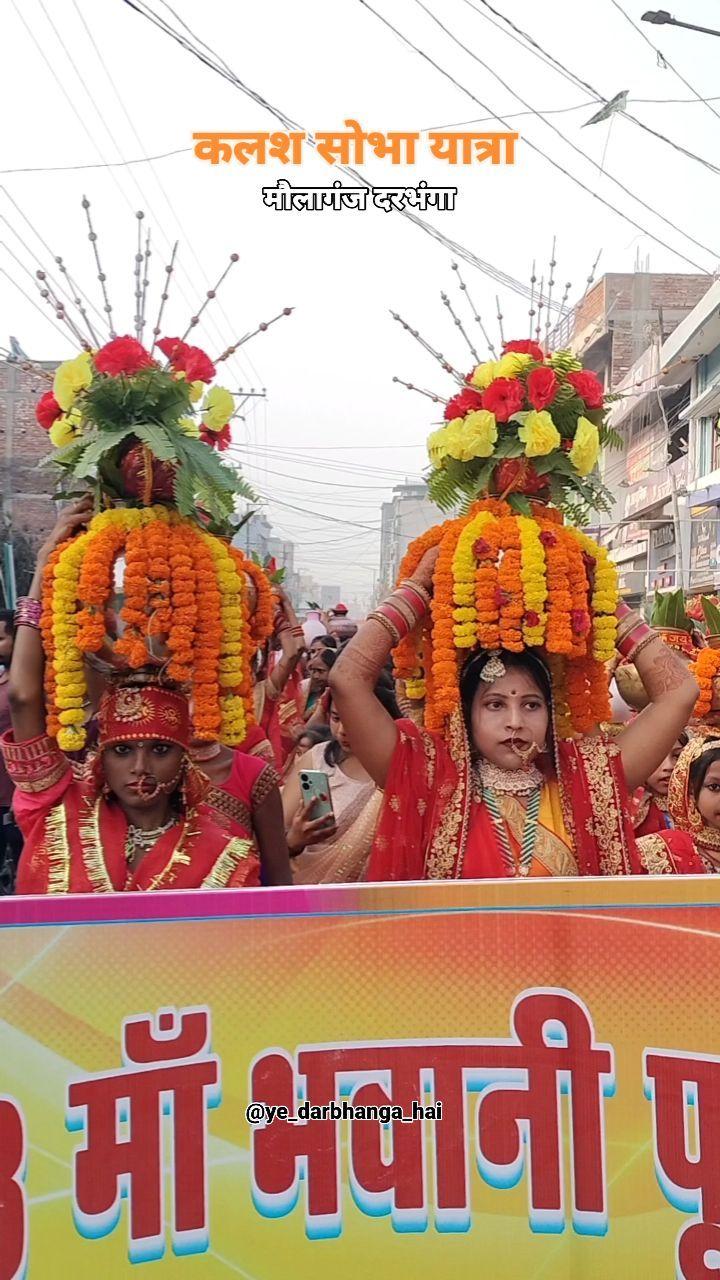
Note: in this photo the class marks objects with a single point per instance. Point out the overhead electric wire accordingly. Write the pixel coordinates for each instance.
(578, 81)
(173, 208)
(494, 273)
(579, 151)
(82, 122)
(107, 164)
(531, 145)
(667, 61)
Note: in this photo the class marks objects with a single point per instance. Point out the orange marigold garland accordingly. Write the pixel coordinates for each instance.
(185, 605)
(705, 668)
(504, 580)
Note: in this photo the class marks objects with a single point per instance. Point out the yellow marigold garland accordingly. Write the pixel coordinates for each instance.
(70, 686)
(230, 668)
(463, 568)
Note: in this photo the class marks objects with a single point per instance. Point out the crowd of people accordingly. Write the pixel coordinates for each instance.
(336, 782)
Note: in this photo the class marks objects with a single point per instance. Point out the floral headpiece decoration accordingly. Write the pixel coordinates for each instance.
(528, 424)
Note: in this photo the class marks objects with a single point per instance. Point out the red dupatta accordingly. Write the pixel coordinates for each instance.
(424, 825)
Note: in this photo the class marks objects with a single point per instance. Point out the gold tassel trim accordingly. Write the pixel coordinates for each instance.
(57, 850)
(233, 853)
(93, 857)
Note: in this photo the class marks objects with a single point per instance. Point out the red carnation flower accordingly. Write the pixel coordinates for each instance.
(463, 403)
(580, 622)
(501, 598)
(548, 538)
(525, 348)
(217, 439)
(122, 355)
(174, 349)
(481, 548)
(531, 618)
(197, 366)
(47, 410)
(588, 387)
(542, 385)
(504, 397)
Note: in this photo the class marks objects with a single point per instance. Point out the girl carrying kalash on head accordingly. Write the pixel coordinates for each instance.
(502, 623)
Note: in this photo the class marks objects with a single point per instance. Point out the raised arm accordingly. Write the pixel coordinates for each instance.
(672, 690)
(369, 727)
(291, 639)
(26, 692)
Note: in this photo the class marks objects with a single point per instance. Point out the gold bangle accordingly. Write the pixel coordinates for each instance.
(416, 586)
(642, 644)
(388, 625)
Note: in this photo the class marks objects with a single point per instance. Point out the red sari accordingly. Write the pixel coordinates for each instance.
(75, 841)
(431, 827)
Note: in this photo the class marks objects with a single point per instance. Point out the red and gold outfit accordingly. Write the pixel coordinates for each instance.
(691, 835)
(76, 837)
(434, 826)
(231, 804)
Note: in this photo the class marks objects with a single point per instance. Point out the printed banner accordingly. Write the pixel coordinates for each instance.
(515, 1080)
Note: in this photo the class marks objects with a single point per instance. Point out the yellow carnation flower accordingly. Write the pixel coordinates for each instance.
(539, 434)
(586, 447)
(196, 390)
(190, 427)
(437, 446)
(65, 429)
(484, 374)
(473, 436)
(218, 408)
(511, 364)
(72, 377)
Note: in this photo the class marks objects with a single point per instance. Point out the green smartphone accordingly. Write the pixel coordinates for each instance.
(315, 785)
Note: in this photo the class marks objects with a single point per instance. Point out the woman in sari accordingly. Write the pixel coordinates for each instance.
(650, 803)
(243, 797)
(133, 822)
(694, 805)
(499, 794)
(334, 850)
(275, 706)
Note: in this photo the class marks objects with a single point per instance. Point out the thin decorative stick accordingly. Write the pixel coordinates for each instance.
(437, 355)
(410, 386)
(145, 283)
(531, 313)
(566, 295)
(92, 237)
(473, 308)
(551, 282)
(539, 309)
(138, 287)
(77, 299)
(500, 320)
(211, 293)
(59, 307)
(262, 327)
(27, 298)
(32, 254)
(164, 297)
(458, 323)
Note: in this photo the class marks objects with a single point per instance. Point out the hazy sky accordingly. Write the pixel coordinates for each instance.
(335, 433)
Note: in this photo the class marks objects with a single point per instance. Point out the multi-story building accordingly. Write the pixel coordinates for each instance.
(614, 321)
(620, 329)
(693, 351)
(28, 510)
(408, 514)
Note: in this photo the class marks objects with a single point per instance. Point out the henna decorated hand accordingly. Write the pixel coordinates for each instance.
(426, 568)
